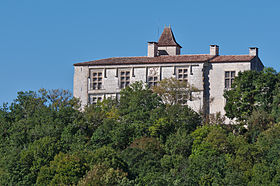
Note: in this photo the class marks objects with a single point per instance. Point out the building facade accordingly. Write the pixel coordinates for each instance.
(211, 73)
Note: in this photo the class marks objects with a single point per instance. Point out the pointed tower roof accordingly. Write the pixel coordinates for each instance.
(167, 38)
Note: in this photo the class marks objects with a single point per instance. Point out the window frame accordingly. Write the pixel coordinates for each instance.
(153, 76)
(229, 77)
(95, 98)
(124, 78)
(183, 72)
(96, 79)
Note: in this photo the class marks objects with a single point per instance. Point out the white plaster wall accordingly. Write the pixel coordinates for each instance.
(167, 72)
(197, 101)
(110, 82)
(196, 76)
(139, 75)
(217, 83)
(80, 89)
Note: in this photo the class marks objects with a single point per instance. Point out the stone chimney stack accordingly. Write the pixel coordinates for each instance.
(214, 50)
(152, 49)
(253, 51)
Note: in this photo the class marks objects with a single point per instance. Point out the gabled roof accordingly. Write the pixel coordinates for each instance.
(167, 59)
(167, 38)
(232, 58)
(147, 60)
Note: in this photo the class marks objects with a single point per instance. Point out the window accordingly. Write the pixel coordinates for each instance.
(152, 81)
(95, 80)
(93, 99)
(182, 74)
(153, 76)
(124, 78)
(229, 78)
(183, 96)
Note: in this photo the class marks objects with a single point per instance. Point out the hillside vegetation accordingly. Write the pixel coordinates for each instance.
(139, 140)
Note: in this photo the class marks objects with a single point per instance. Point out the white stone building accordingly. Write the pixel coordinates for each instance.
(211, 73)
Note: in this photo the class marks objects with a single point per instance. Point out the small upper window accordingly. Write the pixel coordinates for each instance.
(124, 78)
(153, 76)
(153, 81)
(182, 74)
(229, 78)
(96, 80)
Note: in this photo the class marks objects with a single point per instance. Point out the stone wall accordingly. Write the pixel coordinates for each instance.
(110, 83)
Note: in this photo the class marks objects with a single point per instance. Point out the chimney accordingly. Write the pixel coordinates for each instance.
(152, 49)
(214, 50)
(253, 51)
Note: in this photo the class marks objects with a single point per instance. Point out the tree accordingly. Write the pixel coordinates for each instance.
(65, 169)
(141, 162)
(173, 118)
(217, 157)
(38, 154)
(179, 143)
(137, 102)
(101, 175)
(173, 91)
(108, 157)
(267, 168)
(251, 90)
(276, 102)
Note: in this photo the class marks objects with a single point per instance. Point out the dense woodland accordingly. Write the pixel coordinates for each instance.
(142, 140)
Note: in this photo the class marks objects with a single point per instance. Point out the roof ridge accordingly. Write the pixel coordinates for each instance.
(236, 55)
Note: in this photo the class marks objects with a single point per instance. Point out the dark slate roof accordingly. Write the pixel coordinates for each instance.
(167, 38)
(167, 59)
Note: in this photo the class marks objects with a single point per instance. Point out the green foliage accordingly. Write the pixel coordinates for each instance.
(141, 140)
(181, 116)
(101, 174)
(267, 168)
(109, 157)
(179, 143)
(258, 122)
(64, 169)
(102, 135)
(147, 144)
(153, 178)
(95, 114)
(252, 90)
(38, 154)
(141, 162)
(276, 103)
(161, 127)
(137, 101)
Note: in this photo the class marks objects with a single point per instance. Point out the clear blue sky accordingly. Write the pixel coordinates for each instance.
(41, 39)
